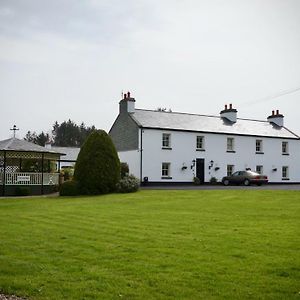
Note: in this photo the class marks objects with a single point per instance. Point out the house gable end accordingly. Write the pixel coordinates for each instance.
(124, 133)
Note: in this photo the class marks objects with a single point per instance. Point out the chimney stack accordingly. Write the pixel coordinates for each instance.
(276, 119)
(230, 114)
(127, 104)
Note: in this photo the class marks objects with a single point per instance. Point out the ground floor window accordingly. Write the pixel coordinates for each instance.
(230, 169)
(285, 172)
(165, 169)
(259, 169)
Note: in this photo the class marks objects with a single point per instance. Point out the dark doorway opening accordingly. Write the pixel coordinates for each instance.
(200, 169)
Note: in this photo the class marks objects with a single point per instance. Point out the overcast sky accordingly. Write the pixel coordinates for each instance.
(64, 59)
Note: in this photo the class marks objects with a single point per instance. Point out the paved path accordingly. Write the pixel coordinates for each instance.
(288, 187)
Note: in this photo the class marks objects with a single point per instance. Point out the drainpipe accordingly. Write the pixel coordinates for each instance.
(141, 162)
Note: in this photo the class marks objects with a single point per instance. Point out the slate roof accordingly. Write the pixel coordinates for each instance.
(71, 153)
(210, 124)
(14, 144)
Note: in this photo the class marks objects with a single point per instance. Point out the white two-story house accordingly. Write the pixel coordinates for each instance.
(171, 147)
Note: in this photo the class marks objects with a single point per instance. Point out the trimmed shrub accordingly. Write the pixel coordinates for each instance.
(213, 180)
(69, 188)
(23, 191)
(196, 181)
(128, 184)
(97, 169)
(124, 169)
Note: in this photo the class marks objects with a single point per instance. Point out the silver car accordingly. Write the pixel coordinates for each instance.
(246, 178)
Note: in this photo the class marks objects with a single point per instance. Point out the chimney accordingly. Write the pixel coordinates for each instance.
(127, 104)
(276, 118)
(230, 114)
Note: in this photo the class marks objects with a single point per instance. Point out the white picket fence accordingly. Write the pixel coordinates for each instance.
(17, 178)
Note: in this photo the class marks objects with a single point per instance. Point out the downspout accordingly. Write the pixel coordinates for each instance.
(141, 161)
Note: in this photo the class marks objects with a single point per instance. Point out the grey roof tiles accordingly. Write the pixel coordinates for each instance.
(211, 124)
(14, 144)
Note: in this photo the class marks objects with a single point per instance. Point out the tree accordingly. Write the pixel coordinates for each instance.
(40, 139)
(97, 169)
(66, 134)
(69, 134)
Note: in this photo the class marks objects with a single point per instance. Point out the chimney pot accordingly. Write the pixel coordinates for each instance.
(225, 106)
(230, 106)
(277, 112)
(128, 94)
(125, 96)
(273, 113)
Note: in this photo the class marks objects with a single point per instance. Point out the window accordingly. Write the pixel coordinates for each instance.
(165, 169)
(285, 172)
(166, 140)
(230, 169)
(230, 144)
(285, 148)
(200, 143)
(259, 169)
(258, 146)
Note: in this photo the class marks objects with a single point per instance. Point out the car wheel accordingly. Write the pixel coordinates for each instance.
(246, 182)
(226, 182)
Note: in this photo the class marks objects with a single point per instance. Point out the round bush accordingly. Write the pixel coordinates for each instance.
(69, 188)
(196, 181)
(124, 169)
(97, 169)
(128, 184)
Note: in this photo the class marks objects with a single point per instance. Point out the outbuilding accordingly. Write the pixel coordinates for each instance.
(27, 168)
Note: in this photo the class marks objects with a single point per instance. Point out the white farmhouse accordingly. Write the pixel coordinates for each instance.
(170, 147)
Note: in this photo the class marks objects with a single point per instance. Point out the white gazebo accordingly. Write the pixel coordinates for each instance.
(27, 165)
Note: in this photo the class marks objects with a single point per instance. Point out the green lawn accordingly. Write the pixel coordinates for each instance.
(153, 245)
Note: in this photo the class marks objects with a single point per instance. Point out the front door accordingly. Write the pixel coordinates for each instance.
(200, 169)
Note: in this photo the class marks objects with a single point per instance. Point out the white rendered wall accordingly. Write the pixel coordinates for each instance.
(184, 152)
(132, 158)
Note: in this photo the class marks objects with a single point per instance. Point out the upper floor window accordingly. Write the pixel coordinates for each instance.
(166, 140)
(259, 169)
(200, 143)
(259, 146)
(285, 147)
(285, 172)
(230, 144)
(165, 169)
(230, 169)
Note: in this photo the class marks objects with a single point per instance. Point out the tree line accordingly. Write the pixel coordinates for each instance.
(66, 134)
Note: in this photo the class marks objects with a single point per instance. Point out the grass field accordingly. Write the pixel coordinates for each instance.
(153, 245)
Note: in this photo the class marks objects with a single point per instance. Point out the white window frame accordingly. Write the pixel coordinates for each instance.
(259, 169)
(285, 172)
(200, 142)
(166, 170)
(285, 147)
(258, 146)
(230, 170)
(230, 144)
(166, 140)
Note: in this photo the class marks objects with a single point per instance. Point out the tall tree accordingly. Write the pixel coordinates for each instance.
(69, 134)
(39, 139)
(97, 169)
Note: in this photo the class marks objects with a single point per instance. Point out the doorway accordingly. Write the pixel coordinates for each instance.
(200, 169)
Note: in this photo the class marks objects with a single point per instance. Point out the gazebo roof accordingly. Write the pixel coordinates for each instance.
(14, 144)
